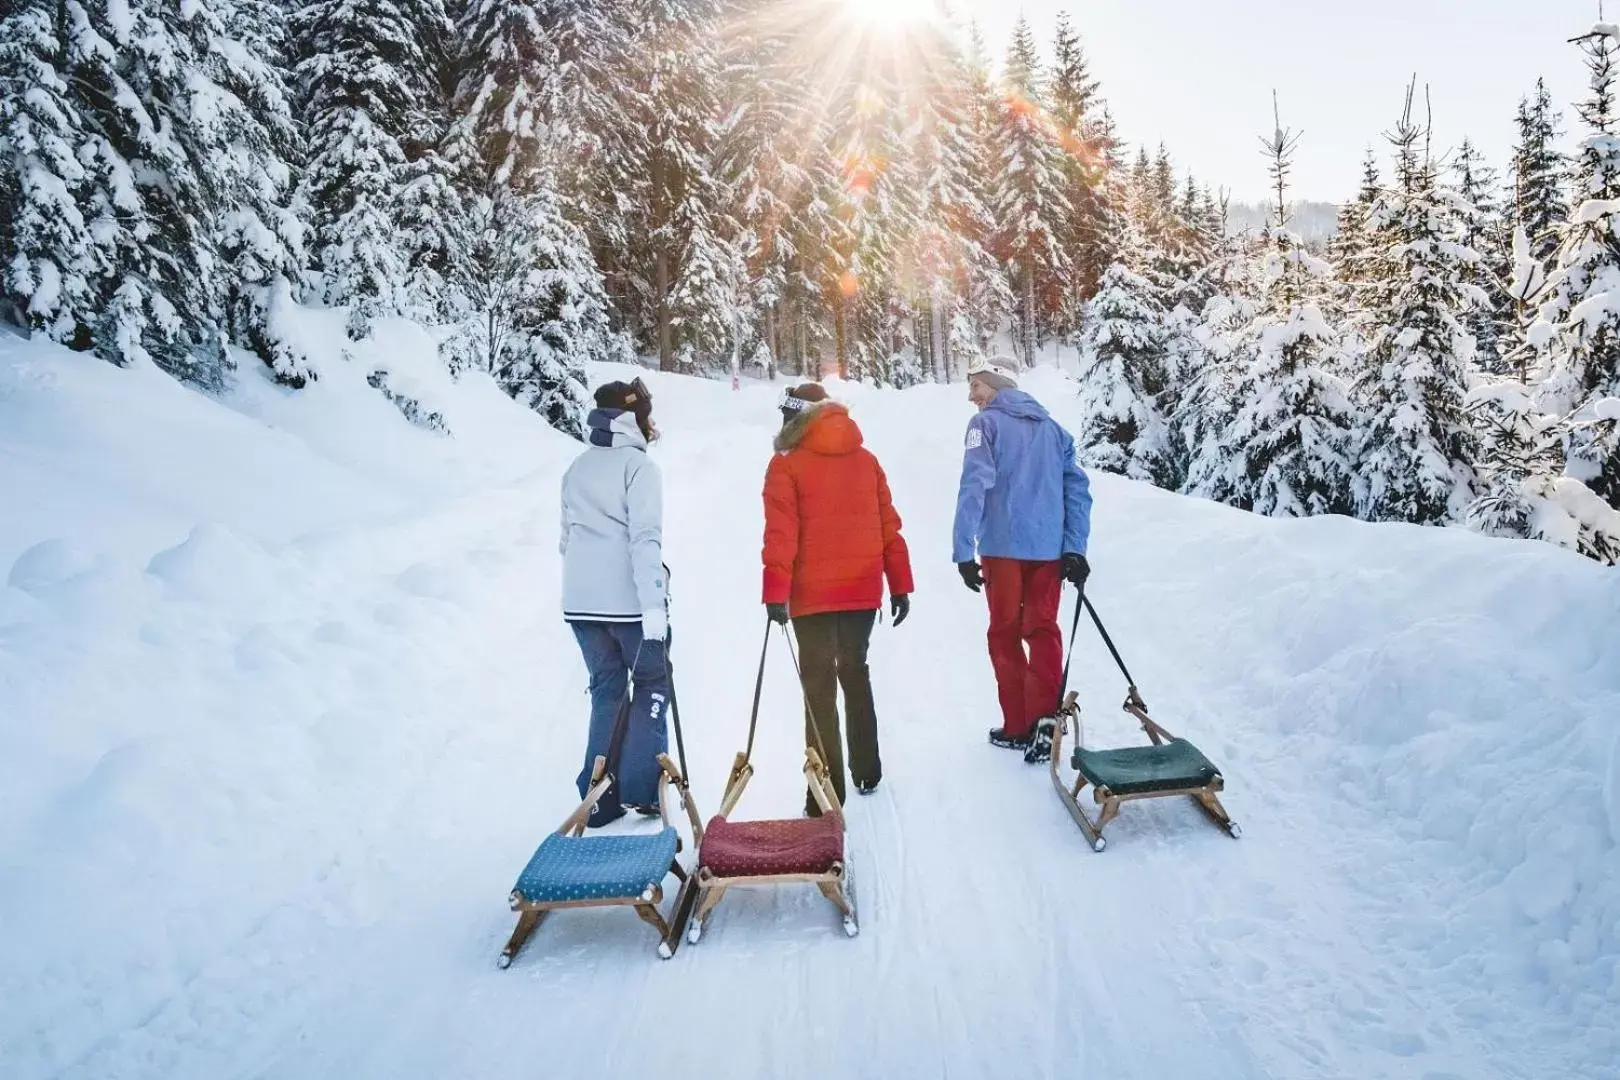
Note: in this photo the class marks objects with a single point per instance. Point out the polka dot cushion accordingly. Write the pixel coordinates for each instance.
(757, 848)
(566, 868)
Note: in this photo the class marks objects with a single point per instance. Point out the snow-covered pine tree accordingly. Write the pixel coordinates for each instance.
(1416, 454)
(1214, 353)
(365, 86)
(950, 251)
(1351, 249)
(50, 260)
(820, 240)
(1030, 201)
(760, 159)
(1522, 492)
(183, 135)
(532, 305)
(1285, 446)
(1540, 203)
(1579, 324)
(990, 295)
(1121, 377)
(592, 103)
(1089, 233)
(679, 237)
(1169, 233)
(1476, 183)
(888, 222)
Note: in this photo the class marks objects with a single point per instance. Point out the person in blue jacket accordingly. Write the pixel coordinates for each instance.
(1023, 516)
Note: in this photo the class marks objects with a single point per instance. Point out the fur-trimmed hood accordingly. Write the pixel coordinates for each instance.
(823, 428)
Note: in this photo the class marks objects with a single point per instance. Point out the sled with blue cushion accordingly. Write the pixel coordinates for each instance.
(572, 870)
(1166, 766)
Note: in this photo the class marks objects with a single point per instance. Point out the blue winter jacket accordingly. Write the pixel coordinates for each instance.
(1023, 495)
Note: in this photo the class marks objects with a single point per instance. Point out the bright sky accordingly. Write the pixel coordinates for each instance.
(1198, 74)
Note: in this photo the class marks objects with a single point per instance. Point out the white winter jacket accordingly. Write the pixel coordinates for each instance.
(612, 526)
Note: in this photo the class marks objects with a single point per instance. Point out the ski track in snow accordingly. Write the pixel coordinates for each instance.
(370, 729)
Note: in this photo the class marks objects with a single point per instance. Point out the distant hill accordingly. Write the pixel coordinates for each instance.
(1315, 222)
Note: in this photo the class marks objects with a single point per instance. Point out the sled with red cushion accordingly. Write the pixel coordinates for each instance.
(1167, 766)
(785, 851)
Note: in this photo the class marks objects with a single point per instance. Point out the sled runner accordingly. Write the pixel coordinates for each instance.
(572, 870)
(1167, 766)
(793, 850)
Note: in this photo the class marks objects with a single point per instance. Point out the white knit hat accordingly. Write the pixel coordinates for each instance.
(999, 372)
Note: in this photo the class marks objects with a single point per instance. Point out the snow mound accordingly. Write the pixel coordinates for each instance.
(214, 564)
(48, 563)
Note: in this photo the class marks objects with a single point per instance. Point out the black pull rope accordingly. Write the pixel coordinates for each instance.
(680, 741)
(815, 728)
(615, 747)
(1074, 632)
(1106, 639)
(759, 686)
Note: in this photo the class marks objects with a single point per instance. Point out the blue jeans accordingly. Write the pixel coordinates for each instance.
(614, 653)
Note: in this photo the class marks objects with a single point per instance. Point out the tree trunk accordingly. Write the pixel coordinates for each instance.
(666, 343)
(939, 357)
(801, 321)
(840, 334)
(772, 341)
(1029, 316)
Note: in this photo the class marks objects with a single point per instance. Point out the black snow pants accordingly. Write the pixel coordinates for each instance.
(832, 653)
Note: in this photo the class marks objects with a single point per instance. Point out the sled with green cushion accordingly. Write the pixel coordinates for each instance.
(572, 870)
(1167, 766)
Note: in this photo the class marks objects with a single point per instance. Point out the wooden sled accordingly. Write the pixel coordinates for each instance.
(572, 870)
(779, 852)
(1169, 766)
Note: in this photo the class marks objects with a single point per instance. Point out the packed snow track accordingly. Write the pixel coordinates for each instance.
(280, 721)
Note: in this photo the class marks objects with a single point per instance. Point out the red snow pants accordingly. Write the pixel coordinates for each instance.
(1023, 597)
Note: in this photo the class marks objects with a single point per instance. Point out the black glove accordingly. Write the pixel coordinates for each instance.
(972, 576)
(1076, 569)
(900, 607)
(777, 613)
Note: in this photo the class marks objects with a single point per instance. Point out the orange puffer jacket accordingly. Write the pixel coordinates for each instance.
(831, 531)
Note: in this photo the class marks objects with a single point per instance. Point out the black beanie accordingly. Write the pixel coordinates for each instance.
(626, 397)
(632, 398)
(800, 398)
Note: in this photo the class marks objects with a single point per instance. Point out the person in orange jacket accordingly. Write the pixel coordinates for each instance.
(831, 537)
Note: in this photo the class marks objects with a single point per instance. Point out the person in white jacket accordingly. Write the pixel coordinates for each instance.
(615, 591)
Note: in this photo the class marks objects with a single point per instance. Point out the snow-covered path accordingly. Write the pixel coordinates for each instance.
(303, 778)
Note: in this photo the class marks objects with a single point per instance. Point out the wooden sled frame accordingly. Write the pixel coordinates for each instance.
(671, 783)
(836, 884)
(1205, 795)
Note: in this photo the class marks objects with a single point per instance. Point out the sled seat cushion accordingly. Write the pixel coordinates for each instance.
(1141, 770)
(574, 868)
(765, 848)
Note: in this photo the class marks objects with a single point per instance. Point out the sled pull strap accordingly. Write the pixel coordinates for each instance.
(1106, 639)
(1074, 632)
(815, 728)
(680, 741)
(759, 687)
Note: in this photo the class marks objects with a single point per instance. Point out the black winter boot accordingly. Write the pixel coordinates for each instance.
(1040, 747)
(999, 737)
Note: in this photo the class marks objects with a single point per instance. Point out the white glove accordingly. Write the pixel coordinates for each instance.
(654, 625)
